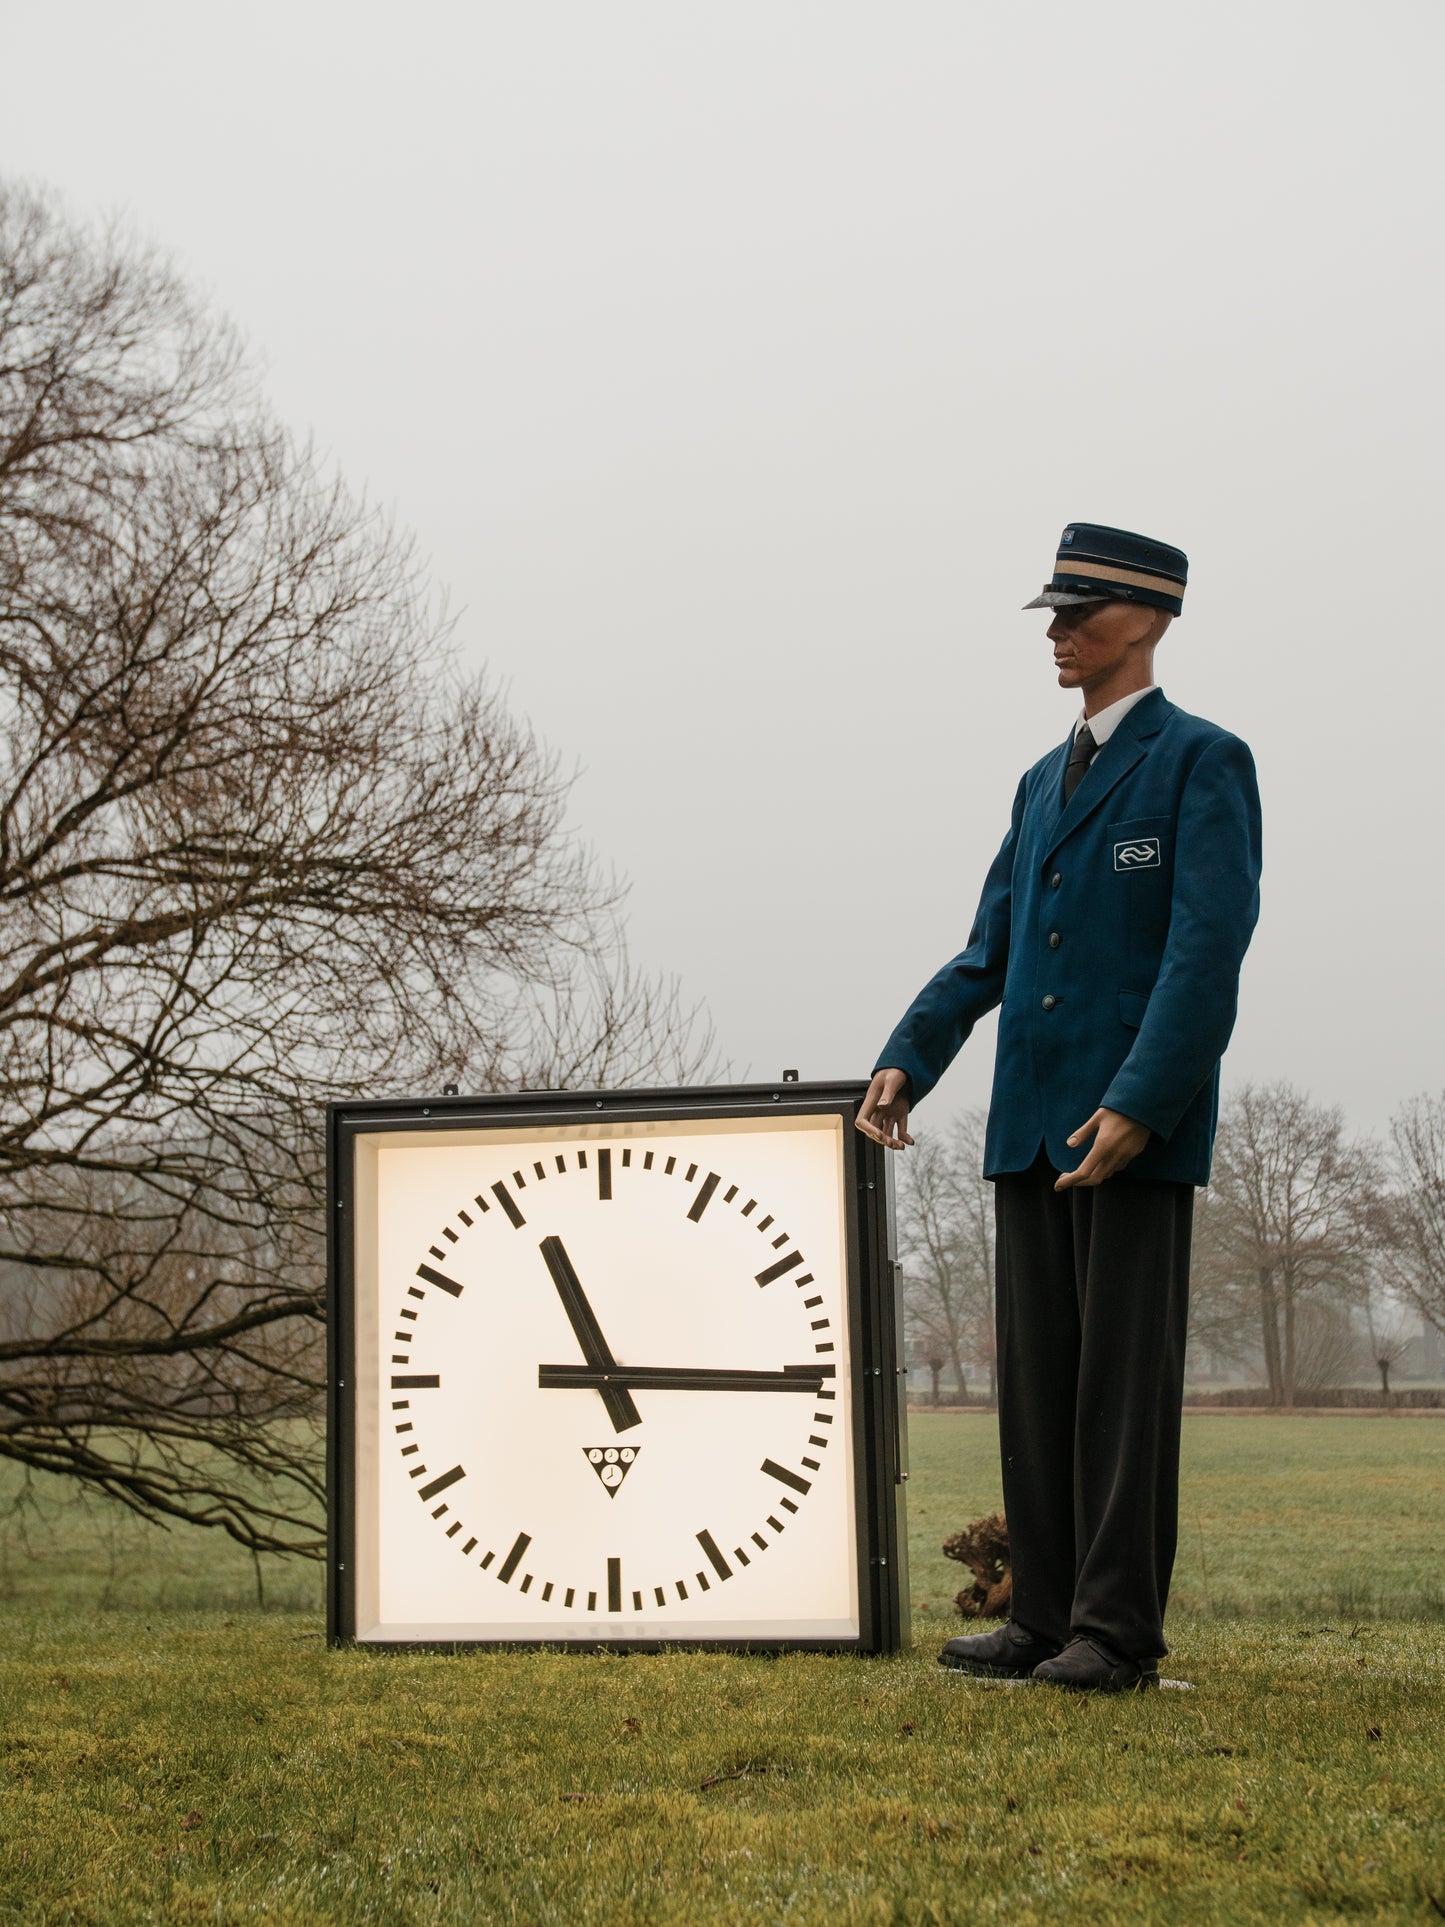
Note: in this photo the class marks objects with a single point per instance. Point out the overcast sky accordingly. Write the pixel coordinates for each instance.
(737, 367)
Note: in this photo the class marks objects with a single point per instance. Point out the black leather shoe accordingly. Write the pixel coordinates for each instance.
(1012, 1652)
(1088, 1666)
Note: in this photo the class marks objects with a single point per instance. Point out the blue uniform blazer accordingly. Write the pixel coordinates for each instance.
(1112, 932)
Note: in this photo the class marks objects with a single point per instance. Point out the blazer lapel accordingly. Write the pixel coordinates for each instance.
(1127, 747)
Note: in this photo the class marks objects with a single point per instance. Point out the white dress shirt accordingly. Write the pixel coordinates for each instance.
(1103, 724)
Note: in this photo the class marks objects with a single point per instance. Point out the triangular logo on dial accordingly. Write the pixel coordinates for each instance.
(611, 1463)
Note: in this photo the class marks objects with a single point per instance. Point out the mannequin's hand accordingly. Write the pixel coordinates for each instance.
(884, 1116)
(1118, 1140)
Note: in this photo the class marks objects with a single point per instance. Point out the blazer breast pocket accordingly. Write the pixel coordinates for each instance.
(1142, 844)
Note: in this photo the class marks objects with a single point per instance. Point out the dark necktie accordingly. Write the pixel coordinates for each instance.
(1080, 756)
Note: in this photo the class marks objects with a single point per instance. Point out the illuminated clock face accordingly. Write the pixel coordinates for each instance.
(604, 1383)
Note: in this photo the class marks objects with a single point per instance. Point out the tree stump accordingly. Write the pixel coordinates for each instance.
(983, 1548)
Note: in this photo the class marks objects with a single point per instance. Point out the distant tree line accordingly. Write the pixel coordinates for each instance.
(1314, 1250)
(263, 842)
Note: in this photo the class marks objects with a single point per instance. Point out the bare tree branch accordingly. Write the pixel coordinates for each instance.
(263, 842)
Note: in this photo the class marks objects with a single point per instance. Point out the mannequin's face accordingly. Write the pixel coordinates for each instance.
(1094, 641)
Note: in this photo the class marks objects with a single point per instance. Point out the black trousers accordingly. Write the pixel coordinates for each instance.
(1093, 1299)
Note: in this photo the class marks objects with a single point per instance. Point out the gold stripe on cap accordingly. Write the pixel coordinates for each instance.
(1102, 572)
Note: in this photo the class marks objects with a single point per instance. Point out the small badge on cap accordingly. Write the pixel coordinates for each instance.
(1066, 538)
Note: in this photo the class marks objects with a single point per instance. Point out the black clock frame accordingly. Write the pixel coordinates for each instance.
(874, 1309)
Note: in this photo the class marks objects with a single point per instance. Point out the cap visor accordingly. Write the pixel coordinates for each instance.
(1063, 599)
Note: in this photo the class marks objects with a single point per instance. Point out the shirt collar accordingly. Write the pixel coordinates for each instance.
(1103, 724)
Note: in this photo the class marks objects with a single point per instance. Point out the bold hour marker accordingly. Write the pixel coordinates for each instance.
(514, 1558)
(715, 1559)
(614, 1585)
(704, 1197)
(509, 1204)
(785, 1477)
(441, 1483)
(438, 1279)
(425, 1382)
(604, 1175)
(776, 1271)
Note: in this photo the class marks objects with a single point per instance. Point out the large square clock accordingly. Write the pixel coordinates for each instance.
(615, 1369)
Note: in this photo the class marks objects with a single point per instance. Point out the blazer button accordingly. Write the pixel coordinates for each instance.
(1054, 940)
(1055, 880)
(1050, 1001)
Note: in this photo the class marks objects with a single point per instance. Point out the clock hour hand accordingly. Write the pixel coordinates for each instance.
(807, 1379)
(618, 1400)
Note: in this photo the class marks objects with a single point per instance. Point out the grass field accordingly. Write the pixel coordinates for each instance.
(173, 1754)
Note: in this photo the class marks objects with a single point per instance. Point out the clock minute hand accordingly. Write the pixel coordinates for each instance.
(618, 1400)
(806, 1379)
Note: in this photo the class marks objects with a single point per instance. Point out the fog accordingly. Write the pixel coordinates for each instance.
(738, 367)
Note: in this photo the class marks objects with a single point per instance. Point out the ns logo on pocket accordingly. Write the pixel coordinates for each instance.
(1142, 853)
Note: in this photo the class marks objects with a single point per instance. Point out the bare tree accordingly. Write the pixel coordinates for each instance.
(1417, 1157)
(945, 1217)
(262, 843)
(1224, 1318)
(1295, 1213)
